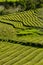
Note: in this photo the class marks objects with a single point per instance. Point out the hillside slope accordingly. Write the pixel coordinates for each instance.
(21, 38)
(16, 54)
(24, 27)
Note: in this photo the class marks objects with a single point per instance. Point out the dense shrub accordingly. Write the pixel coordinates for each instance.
(25, 4)
(31, 4)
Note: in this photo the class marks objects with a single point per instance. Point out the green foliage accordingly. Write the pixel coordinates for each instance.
(25, 4)
(31, 4)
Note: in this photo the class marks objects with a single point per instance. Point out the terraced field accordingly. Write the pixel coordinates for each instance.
(21, 38)
(16, 54)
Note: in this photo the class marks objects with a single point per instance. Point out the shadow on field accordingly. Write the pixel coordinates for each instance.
(37, 45)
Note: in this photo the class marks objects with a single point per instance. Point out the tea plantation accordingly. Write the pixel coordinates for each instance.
(21, 38)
